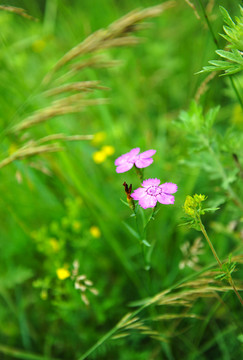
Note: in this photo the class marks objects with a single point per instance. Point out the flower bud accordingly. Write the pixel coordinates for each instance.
(128, 191)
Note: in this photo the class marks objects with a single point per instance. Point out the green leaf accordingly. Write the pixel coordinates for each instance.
(220, 63)
(210, 209)
(124, 202)
(233, 56)
(226, 16)
(131, 230)
(146, 243)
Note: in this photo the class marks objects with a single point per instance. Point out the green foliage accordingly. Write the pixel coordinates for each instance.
(227, 269)
(72, 251)
(233, 62)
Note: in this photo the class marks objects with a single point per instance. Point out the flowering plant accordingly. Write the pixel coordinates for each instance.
(151, 192)
(126, 161)
(147, 195)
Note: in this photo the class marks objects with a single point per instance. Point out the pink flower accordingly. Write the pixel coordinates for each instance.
(151, 192)
(126, 161)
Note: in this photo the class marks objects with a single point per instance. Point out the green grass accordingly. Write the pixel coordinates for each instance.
(49, 202)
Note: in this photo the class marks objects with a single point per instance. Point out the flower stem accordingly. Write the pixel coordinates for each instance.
(142, 237)
(139, 173)
(229, 277)
(209, 242)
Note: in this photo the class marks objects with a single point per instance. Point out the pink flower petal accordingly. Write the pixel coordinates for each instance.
(138, 193)
(134, 152)
(124, 167)
(142, 163)
(147, 154)
(148, 201)
(122, 159)
(169, 188)
(151, 182)
(126, 157)
(165, 199)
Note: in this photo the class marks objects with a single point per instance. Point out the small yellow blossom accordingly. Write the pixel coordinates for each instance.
(108, 149)
(95, 231)
(99, 157)
(193, 204)
(98, 138)
(190, 206)
(62, 273)
(199, 198)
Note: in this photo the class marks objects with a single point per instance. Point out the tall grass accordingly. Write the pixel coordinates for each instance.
(73, 99)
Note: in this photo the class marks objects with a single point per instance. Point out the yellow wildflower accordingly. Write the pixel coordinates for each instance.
(99, 157)
(189, 206)
(62, 273)
(95, 231)
(98, 138)
(199, 198)
(108, 149)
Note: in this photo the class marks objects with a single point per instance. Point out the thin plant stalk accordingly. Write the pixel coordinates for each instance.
(142, 237)
(230, 280)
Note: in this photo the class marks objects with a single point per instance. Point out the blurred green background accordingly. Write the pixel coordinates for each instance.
(61, 207)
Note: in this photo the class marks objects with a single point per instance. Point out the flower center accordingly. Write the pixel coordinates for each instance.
(153, 190)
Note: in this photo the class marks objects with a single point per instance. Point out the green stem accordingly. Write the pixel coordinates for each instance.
(209, 24)
(209, 242)
(99, 343)
(230, 280)
(140, 240)
(142, 237)
(139, 173)
(236, 91)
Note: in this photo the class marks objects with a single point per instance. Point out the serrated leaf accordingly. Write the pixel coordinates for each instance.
(234, 56)
(234, 70)
(226, 16)
(211, 117)
(220, 63)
